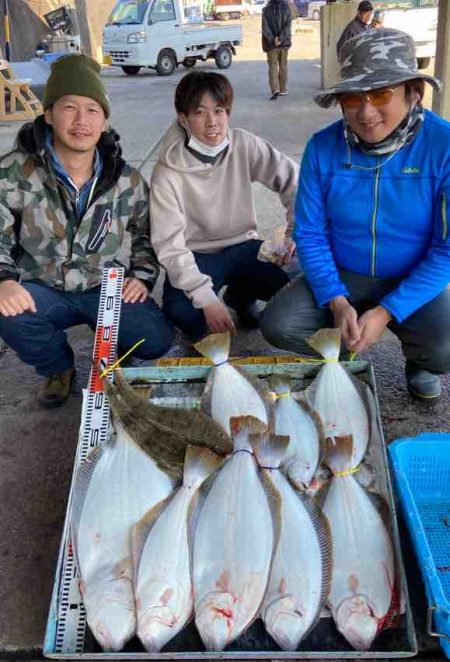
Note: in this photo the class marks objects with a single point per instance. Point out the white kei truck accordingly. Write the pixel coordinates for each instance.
(158, 35)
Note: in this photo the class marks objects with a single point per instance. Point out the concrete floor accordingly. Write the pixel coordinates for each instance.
(37, 447)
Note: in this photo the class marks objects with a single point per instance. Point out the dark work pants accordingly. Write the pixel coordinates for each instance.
(293, 315)
(40, 340)
(237, 266)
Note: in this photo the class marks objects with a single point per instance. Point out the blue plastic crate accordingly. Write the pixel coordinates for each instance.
(422, 469)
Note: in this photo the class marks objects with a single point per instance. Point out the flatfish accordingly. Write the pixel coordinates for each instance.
(114, 488)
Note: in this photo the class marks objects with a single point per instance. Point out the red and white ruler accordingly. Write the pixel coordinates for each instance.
(67, 619)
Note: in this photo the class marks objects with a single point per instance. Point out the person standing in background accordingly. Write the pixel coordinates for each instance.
(360, 23)
(276, 42)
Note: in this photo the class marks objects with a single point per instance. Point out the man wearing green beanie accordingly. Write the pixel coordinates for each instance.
(70, 206)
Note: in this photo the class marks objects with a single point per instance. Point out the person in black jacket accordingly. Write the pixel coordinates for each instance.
(360, 23)
(276, 41)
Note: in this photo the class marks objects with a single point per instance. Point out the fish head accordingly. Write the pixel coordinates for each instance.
(111, 618)
(156, 627)
(285, 622)
(355, 619)
(215, 619)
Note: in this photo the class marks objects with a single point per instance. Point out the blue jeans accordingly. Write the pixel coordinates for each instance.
(39, 338)
(237, 266)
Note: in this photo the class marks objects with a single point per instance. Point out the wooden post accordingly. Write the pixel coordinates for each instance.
(441, 100)
(333, 19)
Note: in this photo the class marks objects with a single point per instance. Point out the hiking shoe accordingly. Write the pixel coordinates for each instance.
(421, 383)
(56, 389)
(248, 314)
(275, 95)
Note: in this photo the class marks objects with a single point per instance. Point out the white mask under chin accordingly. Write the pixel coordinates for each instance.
(207, 150)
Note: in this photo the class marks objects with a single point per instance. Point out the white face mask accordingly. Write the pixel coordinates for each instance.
(202, 148)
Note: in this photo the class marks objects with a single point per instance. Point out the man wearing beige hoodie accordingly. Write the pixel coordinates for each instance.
(203, 220)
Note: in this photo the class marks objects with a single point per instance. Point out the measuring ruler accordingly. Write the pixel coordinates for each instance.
(69, 613)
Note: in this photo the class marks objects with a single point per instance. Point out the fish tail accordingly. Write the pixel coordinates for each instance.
(338, 454)
(248, 424)
(199, 463)
(215, 347)
(326, 342)
(281, 384)
(269, 449)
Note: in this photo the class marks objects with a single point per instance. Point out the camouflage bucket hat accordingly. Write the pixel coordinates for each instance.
(374, 59)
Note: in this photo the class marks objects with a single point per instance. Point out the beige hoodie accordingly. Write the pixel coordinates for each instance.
(205, 207)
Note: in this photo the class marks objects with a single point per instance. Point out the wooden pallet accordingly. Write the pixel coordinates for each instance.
(17, 101)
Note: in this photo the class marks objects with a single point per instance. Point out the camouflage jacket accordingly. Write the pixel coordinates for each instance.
(40, 237)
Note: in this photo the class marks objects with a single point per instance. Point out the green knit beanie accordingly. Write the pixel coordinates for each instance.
(76, 74)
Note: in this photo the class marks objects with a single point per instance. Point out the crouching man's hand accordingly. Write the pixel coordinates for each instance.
(371, 324)
(218, 318)
(15, 299)
(134, 291)
(346, 319)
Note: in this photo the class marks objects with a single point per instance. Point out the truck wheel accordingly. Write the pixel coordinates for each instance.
(131, 71)
(423, 62)
(224, 17)
(189, 62)
(316, 15)
(223, 57)
(236, 15)
(166, 62)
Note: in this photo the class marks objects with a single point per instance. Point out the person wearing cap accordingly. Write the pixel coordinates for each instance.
(360, 23)
(70, 206)
(372, 216)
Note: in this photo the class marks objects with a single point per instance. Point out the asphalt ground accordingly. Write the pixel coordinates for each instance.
(37, 447)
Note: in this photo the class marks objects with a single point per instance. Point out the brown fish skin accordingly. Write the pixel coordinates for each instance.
(164, 432)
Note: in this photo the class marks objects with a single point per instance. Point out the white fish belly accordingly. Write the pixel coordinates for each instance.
(363, 558)
(296, 578)
(163, 584)
(302, 455)
(232, 553)
(341, 409)
(233, 395)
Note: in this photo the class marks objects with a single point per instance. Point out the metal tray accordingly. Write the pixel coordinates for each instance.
(180, 383)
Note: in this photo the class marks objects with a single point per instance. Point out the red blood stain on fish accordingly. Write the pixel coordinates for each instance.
(166, 596)
(353, 583)
(223, 583)
(392, 616)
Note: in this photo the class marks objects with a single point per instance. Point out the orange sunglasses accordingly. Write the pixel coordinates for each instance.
(375, 97)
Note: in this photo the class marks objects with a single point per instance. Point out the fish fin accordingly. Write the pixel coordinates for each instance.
(125, 389)
(250, 424)
(269, 449)
(338, 454)
(215, 347)
(326, 342)
(325, 539)
(141, 530)
(199, 463)
(281, 384)
(206, 401)
(83, 479)
(274, 500)
(258, 385)
(381, 506)
(144, 391)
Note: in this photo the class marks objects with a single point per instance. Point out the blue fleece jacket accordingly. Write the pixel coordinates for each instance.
(389, 222)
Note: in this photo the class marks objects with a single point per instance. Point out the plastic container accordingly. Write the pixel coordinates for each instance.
(422, 469)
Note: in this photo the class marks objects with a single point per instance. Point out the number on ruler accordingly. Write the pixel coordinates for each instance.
(109, 303)
(106, 333)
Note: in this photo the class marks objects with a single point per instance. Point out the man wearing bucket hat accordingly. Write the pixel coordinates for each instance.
(70, 206)
(359, 24)
(372, 214)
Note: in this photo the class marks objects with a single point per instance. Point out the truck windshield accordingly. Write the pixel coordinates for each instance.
(128, 12)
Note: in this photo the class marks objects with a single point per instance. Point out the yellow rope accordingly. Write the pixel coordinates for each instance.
(282, 395)
(117, 363)
(347, 473)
